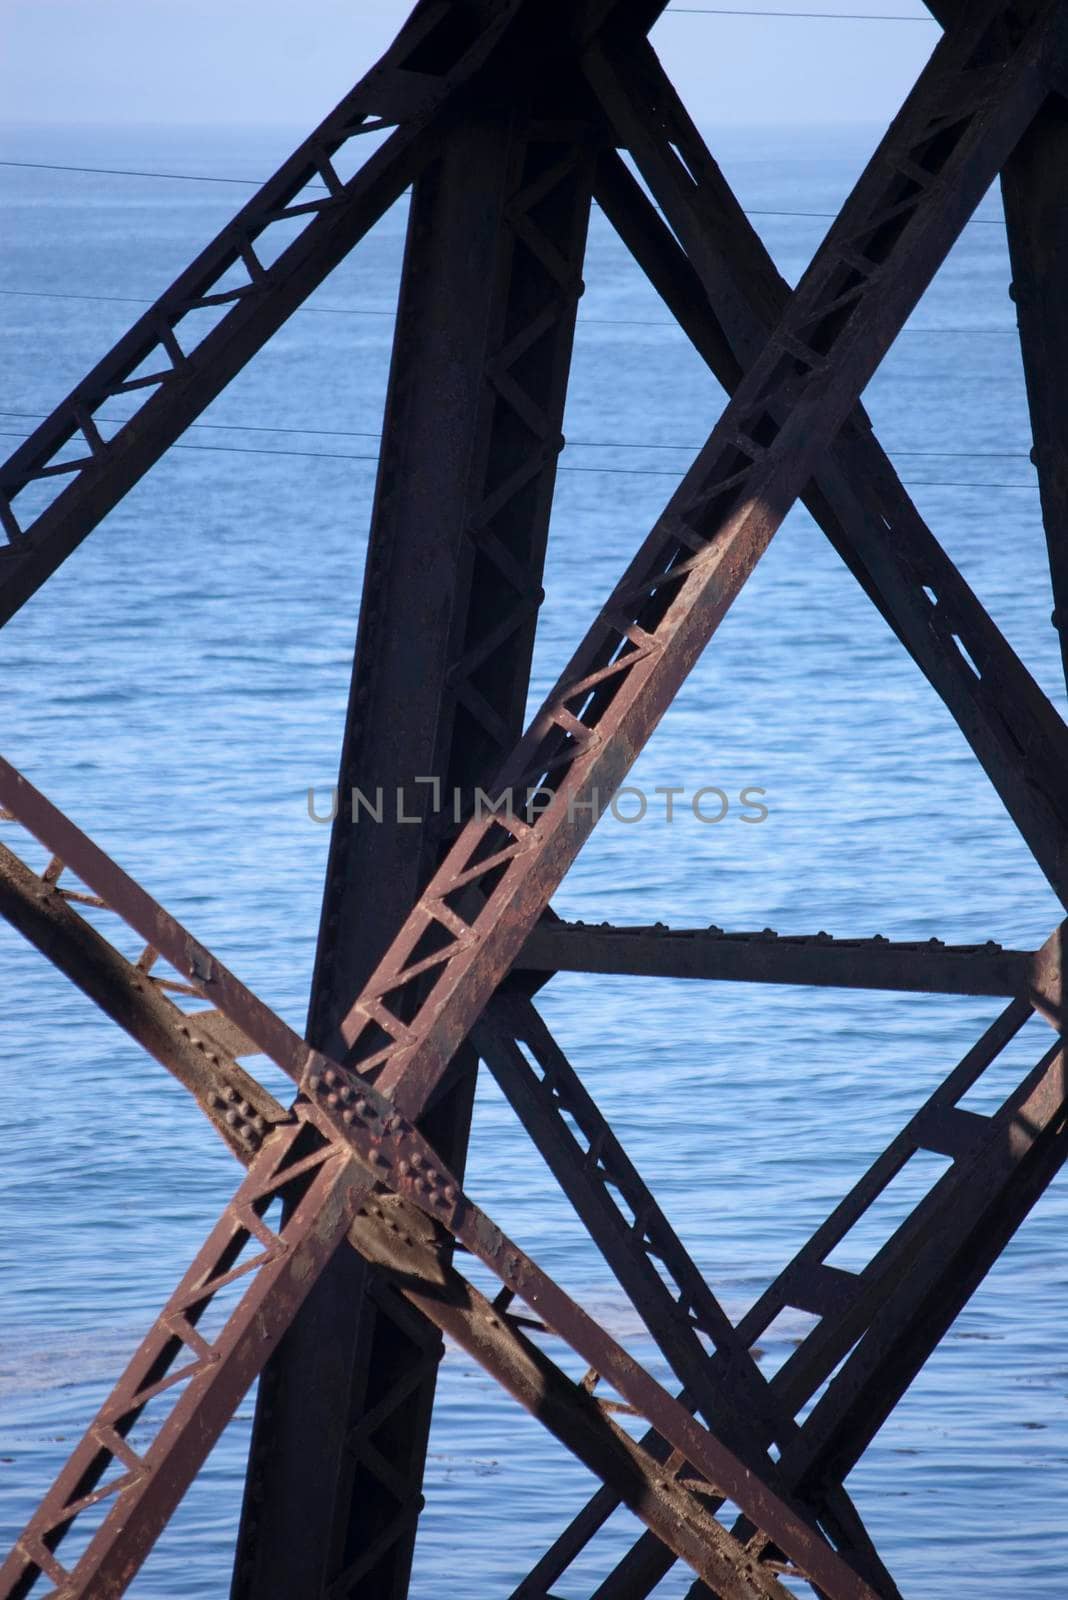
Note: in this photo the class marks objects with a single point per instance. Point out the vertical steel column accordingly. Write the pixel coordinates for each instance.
(1035, 189)
(452, 586)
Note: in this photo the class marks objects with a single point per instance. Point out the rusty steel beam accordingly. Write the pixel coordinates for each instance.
(895, 229)
(37, 908)
(223, 1091)
(489, 292)
(970, 107)
(727, 295)
(921, 966)
(978, 1146)
(463, 1313)
(886, 210)
(413, 1265)
(353, 1120)
(570, 1411)
(416, 1268)
(404, 1244)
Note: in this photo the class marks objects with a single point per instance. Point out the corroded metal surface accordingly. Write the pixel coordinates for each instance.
(506, 114)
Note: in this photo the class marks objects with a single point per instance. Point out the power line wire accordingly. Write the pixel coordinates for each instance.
(627, 472)
(579, 444)
(141, 300)
(131, 172)
(366, 311)
(804, 16)
(255, 183)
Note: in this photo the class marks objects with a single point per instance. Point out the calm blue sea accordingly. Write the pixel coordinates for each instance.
(181, 682)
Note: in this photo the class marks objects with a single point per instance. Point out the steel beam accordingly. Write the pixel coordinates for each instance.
(1035, 190)
(973, 101)
(390, 1234)
(245, 284)
(1035, 196)
(727, 295)
(405, 1245)
(197, 1047)
(413, 86)
(923, 966)
(129, 994)
(994, 1180)
(339, 1116)
(720, 1376)
(899, 1306)
(881, 216)
(489, 293)
(953, 135)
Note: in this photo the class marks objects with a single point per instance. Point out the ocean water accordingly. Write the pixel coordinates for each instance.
(181, 682)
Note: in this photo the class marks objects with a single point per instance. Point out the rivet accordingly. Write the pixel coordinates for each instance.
(403, 1168)
(315, 1083)
(348, 1116)
(233, 1118)
(230, 1093)
(333, 1100)
(330, 1077)
(245, 1109)
(362, 1106)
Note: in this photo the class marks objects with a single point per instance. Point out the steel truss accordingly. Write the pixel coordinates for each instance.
(505, 117)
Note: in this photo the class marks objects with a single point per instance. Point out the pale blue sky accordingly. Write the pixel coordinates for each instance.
(273, 61)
